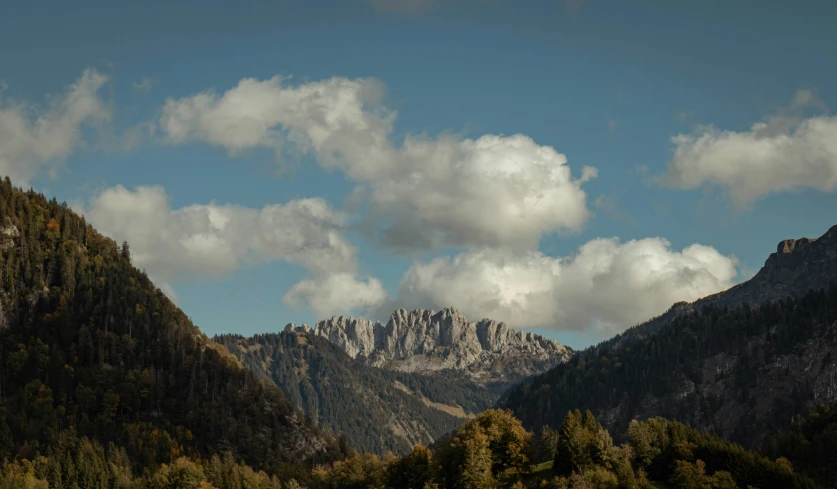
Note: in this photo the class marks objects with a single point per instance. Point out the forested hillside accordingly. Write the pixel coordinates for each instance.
(376, 409)
(91, 348)
(742, 374)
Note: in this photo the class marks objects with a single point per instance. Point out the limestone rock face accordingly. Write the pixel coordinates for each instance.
(425, 340)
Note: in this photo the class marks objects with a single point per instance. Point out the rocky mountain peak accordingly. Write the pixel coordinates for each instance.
(797, 266)
(425, 340)
(790, 245)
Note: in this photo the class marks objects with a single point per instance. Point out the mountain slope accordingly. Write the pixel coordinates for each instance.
(377, 409)
(797, 266)
(716, 363)
(741, 374)
(490, 353)
(90, 345)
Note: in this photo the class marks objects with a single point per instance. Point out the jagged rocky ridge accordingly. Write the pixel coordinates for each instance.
(490, 352)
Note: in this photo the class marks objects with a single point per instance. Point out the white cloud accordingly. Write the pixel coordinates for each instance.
(606, 285)
(336, 294)
(176, 245)
(498, 191)
(34, 138)
(782, 153)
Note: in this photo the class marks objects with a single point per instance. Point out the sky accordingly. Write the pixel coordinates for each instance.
(571, 167)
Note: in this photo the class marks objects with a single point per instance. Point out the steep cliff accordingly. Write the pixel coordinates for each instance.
(490, 352)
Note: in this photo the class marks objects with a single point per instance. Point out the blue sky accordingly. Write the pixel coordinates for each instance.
(473, 101)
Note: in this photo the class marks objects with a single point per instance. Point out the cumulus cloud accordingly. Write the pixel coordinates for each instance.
(498, 191)
(784, 152)
(34, 138)
(336, 294)
(176, 245)
(607, 285)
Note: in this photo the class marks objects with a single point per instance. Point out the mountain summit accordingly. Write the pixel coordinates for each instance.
(797, 266)
(422, 340)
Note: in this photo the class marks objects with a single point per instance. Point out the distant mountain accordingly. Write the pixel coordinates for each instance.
(376, 409)
(489, 352)
(724, 364)
(89, 347)
(389, 387)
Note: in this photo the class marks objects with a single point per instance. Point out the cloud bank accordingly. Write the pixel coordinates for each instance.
(606, 284)
(213, 240)
(498, 191)
(493, 197)
(782, 153)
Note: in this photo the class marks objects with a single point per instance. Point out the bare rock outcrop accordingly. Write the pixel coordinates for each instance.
(425, 341)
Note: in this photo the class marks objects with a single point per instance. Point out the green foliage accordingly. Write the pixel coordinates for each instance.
(180, 474)
(809, 446)
(662, 446)
(21, 476)
(82, 464)
(412, 471)
(356, 472)
(688, 475)
(544, 444)
(583, 443)
(489, 449)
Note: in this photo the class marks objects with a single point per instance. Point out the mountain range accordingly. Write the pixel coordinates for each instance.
(104, 381)
(481, 361)
(392, 386)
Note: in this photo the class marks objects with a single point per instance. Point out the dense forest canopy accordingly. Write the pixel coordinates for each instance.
(491, 451)
(91, 346)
